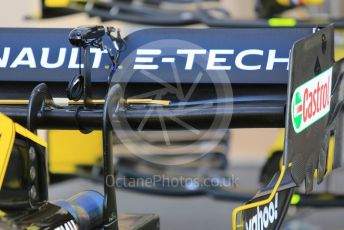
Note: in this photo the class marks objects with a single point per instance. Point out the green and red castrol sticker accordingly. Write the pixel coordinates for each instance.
(311, 101)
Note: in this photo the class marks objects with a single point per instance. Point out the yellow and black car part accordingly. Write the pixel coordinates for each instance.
(23, 167)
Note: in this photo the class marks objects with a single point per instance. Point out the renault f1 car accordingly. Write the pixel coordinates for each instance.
(281, 77)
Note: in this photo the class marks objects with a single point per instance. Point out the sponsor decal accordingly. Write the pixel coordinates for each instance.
(45, 58)
(264, 217)
(70, 225)
(311, 101)
(146, 59)
(217, 59)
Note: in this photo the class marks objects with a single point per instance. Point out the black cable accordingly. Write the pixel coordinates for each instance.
(75, 87)
(80, 128)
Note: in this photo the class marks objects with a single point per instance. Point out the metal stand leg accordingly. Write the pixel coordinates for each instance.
(110, 207)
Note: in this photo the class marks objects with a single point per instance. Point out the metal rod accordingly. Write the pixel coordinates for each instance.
(110, 216)
(87, 77)
(243, 115)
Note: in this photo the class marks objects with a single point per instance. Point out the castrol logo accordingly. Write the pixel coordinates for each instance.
(311, 101)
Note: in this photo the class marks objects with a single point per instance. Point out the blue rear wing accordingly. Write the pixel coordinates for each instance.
(249, 56)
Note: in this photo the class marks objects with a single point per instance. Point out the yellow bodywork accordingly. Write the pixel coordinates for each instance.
(70, 148)
(301, 2)
(60, 3)
(7, 134)
(339, 40)
(8, 130)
